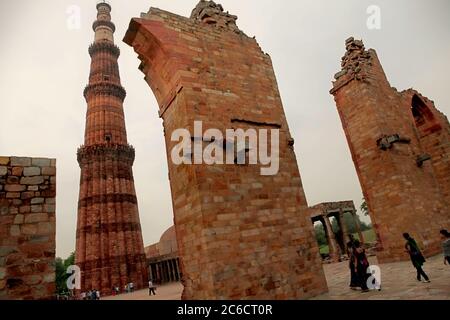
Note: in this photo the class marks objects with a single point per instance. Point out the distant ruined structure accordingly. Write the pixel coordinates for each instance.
(109, 246)
(337, 243)
(163, 259)
(240, 235)
(27, 228)
(400, 144)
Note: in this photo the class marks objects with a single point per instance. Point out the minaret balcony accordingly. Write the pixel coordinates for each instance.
(105, 89)
(104, 47)
(103, 23)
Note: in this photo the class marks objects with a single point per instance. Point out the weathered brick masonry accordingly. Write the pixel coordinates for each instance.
(109, 247)
(401, 149)
(27, 228)
(240, 235)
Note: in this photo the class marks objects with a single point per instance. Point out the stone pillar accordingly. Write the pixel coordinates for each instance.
(158, 272)
(217, 245)
(172, 267)
(169, 271)
(358, 227)
(172, 274)
(332, 244)
(163, 272)
(152, 270)
(177, 263)
(166, 268)
(174, 271)
(344, 229)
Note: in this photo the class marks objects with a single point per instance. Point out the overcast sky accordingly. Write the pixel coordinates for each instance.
(44, 67)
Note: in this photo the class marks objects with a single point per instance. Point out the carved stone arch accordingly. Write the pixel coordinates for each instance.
(421, 113)
(149, 46)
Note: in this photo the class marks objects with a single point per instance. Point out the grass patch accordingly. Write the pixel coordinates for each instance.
(324, 249)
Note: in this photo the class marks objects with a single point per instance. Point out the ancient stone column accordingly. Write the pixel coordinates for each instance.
(332, 244)
(109, 248)
(172, 270)
(392, 136)
(178, 269)
(169, 271)
(343, 227)
(241, 233)
(158, 272)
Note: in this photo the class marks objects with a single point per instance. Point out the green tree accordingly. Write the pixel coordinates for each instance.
(364, 208)
(350, 224)
(61, 275)
(320, 235)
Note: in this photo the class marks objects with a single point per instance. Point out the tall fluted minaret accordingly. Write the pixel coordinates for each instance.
(109, 248)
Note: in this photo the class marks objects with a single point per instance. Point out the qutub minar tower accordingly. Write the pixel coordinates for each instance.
(109, 247)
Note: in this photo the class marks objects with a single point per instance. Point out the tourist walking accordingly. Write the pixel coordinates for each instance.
(351, 264)
(416, 256)
(151, 288)
(361, 263)
(445, 235)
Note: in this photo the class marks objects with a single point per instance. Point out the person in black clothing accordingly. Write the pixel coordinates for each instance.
(361, 263)
(351, 264)
(416, 256)
(445, 235)
(151, 288)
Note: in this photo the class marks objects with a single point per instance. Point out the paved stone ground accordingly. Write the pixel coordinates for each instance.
(167, 292)
(398, 283)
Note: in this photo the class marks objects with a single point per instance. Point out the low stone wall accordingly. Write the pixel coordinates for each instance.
(27, 228)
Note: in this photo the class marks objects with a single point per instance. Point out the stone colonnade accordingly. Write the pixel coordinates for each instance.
(324, 212)
(165, 270)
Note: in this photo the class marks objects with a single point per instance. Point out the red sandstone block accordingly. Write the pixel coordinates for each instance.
(32, 180)
(28, 229)
(48, 171)
(17, 171)
(12, 195)
(36, 217)
(20, 162)
(14, 231)
(19, 219)
(46, 228)
(4, 161)
(15, 187)
(31, 171)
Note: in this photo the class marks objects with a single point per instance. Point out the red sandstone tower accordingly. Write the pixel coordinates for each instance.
(109, 247)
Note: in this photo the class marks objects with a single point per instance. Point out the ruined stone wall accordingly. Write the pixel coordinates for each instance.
(240, 235)
(27, 228)
(402, 192)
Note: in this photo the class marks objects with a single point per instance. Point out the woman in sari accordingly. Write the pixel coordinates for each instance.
(361, 263)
